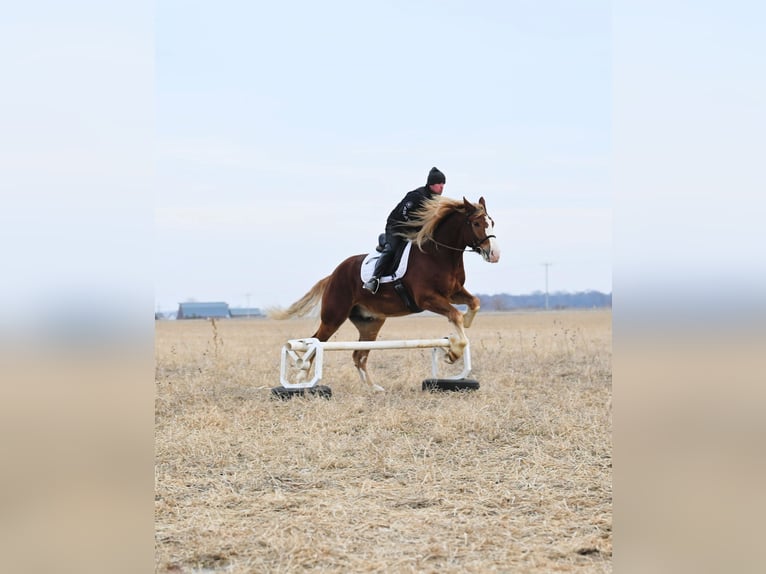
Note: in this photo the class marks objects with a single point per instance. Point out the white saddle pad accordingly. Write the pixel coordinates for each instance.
(368, 266)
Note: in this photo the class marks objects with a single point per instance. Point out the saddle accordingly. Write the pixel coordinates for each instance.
(399, 265)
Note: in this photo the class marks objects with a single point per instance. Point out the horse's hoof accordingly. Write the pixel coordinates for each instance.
(378, 389)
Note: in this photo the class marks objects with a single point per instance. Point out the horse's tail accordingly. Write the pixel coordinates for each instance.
(304, 305)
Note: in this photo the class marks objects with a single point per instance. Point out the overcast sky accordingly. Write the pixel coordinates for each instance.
(287, 131)
(160, 151)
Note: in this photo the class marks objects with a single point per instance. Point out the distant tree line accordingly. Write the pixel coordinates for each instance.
(536, 300)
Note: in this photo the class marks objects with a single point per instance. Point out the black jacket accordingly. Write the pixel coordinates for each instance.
(411, 202)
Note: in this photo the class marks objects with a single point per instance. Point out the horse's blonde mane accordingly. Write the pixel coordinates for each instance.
(425, 220)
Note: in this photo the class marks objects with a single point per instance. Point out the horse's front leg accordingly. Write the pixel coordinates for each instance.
(463, 297)
(458, 341)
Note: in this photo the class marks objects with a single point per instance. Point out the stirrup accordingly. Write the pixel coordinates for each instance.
(372, 285)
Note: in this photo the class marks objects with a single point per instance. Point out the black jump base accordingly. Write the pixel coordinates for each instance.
(286, 394)
(435, 385)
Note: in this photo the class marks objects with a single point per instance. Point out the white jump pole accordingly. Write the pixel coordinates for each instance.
(301, 352)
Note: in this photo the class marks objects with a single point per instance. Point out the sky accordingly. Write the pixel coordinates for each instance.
(154, 152)
(287, 131)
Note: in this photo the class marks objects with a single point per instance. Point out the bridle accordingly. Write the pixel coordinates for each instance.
(475, 246)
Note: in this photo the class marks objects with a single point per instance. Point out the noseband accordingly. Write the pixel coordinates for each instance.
(476, 245)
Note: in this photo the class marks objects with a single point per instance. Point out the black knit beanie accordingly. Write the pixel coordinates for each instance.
(435, 176)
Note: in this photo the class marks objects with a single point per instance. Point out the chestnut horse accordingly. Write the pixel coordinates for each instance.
(441, 230)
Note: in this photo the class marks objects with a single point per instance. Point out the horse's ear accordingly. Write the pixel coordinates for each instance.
(481, 201)
(468, 205)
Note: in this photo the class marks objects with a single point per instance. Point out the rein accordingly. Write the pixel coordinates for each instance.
(475, 246)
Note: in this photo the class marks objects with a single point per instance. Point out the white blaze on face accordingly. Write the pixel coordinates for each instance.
(494, 246)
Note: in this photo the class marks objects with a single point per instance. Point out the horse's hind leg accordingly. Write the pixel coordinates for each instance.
(334, 313)
(332, 317)
(368, 326)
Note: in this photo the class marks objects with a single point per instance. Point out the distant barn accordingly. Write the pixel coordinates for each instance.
(203, 311)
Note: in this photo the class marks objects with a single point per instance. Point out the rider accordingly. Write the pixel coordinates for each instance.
(401, 213)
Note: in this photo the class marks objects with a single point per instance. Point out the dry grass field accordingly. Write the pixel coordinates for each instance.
(514, 477)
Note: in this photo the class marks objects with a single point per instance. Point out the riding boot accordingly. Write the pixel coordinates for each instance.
(372, 285)
(381, 265)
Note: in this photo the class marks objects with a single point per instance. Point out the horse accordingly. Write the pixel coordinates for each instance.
(440, 232)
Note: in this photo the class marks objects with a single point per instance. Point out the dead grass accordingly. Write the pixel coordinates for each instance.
(515, 477)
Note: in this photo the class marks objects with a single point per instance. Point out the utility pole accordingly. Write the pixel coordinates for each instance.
(546, 283)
